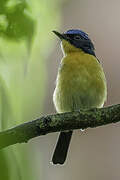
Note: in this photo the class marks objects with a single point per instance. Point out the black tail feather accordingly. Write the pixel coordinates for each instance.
(61, 148)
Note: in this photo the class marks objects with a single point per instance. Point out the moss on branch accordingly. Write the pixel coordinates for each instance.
(81, 119)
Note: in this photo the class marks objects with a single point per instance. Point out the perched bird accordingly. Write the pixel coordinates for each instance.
(80, 83)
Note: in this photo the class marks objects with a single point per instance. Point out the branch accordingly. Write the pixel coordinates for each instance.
(60, 122)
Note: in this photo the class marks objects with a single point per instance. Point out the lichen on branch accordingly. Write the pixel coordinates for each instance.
(82, 119)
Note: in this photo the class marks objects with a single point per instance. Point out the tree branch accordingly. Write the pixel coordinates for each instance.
(60, 122)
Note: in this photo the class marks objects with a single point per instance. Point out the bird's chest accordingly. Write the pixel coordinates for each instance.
(77, 74)
(80, 83)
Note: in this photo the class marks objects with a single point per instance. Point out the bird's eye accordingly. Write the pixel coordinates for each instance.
(77, 37)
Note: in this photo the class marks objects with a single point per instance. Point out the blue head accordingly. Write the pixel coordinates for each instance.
(78, 39)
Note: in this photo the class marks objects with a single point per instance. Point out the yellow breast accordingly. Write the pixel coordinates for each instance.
(80, 83)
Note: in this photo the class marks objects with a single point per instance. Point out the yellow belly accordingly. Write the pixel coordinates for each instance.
(80, 83)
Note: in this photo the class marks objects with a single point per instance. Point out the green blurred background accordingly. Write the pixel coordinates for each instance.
(25, 43)
(29, 60)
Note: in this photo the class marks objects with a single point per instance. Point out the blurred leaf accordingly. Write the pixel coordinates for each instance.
(16, 24)
(4, 166)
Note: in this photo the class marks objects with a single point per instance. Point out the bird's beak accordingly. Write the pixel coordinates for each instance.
(61, 36)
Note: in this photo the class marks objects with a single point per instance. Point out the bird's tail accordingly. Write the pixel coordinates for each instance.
(61, 148)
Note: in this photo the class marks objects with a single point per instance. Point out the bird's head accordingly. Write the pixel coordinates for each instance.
(75, 40)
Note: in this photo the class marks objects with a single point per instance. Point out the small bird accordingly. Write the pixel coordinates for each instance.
(80, 83)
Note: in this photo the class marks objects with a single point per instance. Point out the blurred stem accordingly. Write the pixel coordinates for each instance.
(82, 119)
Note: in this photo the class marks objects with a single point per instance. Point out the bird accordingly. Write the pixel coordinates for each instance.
(80, 83)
